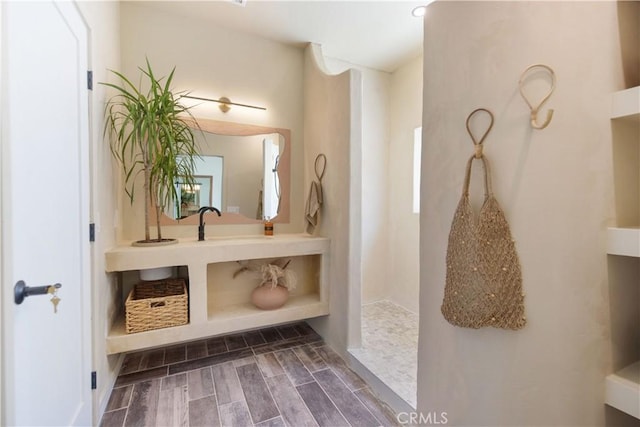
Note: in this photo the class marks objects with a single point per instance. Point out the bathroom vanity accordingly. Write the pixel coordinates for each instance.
(218, 303)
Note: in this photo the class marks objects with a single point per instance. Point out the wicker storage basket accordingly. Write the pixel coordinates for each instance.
(157, 304)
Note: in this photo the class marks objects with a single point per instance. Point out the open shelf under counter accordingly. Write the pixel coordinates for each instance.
(119, 341)
(623, 241)
(625, 104)
(234, 318)
(623, 390)
(247, 316)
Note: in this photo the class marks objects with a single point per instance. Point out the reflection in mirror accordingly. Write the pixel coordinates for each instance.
(244, 171)
(192, 197)
(236, 174)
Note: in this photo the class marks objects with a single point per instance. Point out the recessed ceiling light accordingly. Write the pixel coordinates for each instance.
(419, 11)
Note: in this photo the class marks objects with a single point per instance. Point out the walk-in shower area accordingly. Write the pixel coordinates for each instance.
(390, 347)
(386, 278)
(390, 283)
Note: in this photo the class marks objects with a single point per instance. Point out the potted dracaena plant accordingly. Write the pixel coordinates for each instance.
(150, 134)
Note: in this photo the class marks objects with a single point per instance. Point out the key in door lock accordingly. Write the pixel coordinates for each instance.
(55, 300)
(21, 291)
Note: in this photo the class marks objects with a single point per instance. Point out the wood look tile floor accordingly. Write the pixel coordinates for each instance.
(281, 376)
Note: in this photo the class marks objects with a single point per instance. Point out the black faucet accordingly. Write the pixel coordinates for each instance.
(201, 211)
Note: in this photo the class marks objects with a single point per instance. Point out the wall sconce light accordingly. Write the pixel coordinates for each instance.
(225, 103)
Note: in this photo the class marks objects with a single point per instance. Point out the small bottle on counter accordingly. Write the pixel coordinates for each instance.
(268, 227)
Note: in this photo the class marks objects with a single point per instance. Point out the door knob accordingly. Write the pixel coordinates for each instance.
(21, 290)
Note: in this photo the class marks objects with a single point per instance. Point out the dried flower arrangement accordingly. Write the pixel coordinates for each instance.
(273, 273)
(275, 282)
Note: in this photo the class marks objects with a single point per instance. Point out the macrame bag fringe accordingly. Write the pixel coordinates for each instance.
(483, 280)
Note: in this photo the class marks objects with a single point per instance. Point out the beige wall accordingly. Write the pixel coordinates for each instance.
(333, 123)
(375, 178)
(403, 229)
(375, 185)
(212, 62)
(103, 20)
(556, 188)
(391, 110)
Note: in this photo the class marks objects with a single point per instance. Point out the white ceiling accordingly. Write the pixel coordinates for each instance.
(377, 34)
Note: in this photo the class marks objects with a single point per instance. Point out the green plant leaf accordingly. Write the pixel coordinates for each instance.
(150, 133)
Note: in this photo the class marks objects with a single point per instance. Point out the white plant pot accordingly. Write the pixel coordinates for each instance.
(156, 273)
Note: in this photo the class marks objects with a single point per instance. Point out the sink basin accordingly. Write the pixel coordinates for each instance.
(191, 252)
(246, 237)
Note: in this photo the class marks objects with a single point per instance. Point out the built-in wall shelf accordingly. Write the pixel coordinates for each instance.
(237, 317)
(623, 241)
(625, 104)
(215, 307)
(623, 390)
(247, 316)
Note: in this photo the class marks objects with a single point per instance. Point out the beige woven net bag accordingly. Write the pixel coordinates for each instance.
(483, 281)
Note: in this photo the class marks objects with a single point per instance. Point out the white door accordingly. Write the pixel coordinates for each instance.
(45, 222)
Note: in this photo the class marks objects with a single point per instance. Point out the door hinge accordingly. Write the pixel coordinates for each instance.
(92, 232)
(90, 80)
(94, 380)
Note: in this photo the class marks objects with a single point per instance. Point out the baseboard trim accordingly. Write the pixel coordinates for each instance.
(103, 399)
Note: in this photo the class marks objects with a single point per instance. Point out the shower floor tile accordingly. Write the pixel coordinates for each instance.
(390, 347)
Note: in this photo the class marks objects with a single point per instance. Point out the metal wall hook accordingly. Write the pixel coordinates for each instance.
(535, 110)
(478, 144)
(320, 165)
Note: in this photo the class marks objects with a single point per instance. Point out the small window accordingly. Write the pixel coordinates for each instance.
(417, 152)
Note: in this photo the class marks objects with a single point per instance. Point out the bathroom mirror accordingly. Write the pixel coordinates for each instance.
(236, 174)
(244, 172)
